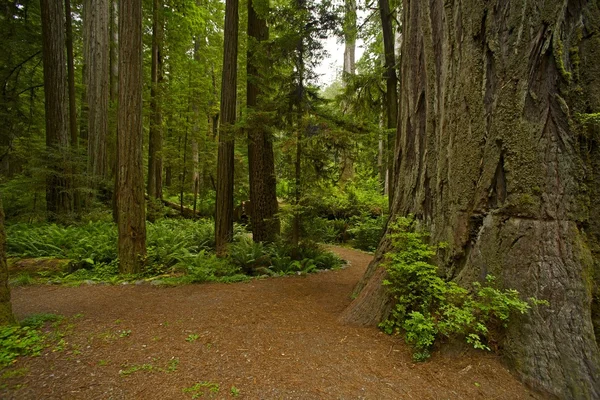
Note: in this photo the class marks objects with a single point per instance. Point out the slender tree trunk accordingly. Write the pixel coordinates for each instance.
(224, 212)
(130, 198)
(58, 199)
(97, 60)
(195, 171)
(261, 160)
(493, 157)
(6, 314)
(391, 94)
(155, 162)
(74, 142)
(114, 98)
(347, 170)
(71, 76)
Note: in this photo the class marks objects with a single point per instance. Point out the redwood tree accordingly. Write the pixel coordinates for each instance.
(225, 158)
(498, 157)
(58, 198)
(130, 185)
(261, 161)
(97, 75)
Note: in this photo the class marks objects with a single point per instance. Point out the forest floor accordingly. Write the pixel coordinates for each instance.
(275, 338)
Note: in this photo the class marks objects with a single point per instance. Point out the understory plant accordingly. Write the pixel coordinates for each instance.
(428, 307)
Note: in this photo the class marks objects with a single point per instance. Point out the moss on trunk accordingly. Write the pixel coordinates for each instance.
(492, 158)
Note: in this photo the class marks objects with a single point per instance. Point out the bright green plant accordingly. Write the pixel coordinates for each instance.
(198, 389)
(18, 341)
(427, 306)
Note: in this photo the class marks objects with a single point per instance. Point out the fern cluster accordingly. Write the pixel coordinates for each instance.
(427, 307)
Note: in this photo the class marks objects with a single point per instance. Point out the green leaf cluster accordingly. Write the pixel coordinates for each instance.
(428, 307)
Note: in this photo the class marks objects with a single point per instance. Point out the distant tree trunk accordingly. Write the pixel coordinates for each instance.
(130, 197)
(261, 161)
(300, 106)
(71, 76)
(391, 93)
(58, 199)
(6, 314)
(347, 170)
(114, 97)
(72, 105)
(494, 159)
(97, 61)
(155, 144)
(224, 212)
(114, 50)
(195, 171)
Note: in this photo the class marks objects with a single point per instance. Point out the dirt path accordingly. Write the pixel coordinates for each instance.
(268, 339)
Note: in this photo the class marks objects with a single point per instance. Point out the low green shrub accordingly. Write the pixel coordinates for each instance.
(18, 341)
(428, 307)
(367, 231)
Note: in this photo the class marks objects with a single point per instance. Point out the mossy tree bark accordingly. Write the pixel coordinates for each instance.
(493, 159)
(6, 314)
(130, 181)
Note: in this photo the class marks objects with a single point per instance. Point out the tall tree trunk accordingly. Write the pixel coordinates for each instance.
(261, 160)
(58, 199)
(114, 98)
(130, 197)
(97, 61)
(347, 170)
(391, 93)
(224, 212)
(155, 162)
(74, 142)
(493, 157)
(71, 76)
(6, 314)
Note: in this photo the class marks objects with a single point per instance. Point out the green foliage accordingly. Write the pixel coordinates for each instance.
(18, 341)
(201, 388)
(36, 321)
(367, 231)
(428, 307)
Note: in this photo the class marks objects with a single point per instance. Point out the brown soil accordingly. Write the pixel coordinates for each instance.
(269, 339)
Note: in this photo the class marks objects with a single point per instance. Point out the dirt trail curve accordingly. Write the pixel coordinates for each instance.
(269, 339)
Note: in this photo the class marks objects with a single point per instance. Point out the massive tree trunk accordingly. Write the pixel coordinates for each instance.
(391, 93)
(493, 158)
(224, 212)
(130, 188)
(58, 199)
(155, 144)
(261, 161)
(97, 61)
(6, 314)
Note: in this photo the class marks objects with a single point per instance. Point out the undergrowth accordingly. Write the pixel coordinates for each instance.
(428, 308)
(178, 252)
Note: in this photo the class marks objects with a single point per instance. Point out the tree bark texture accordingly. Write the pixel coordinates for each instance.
(494, 160)
(58, 198)
(6, 314)
(97, 78)
(261, 160)
(225, 158)
(349, 36)
(391, 82)
(130, 197)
